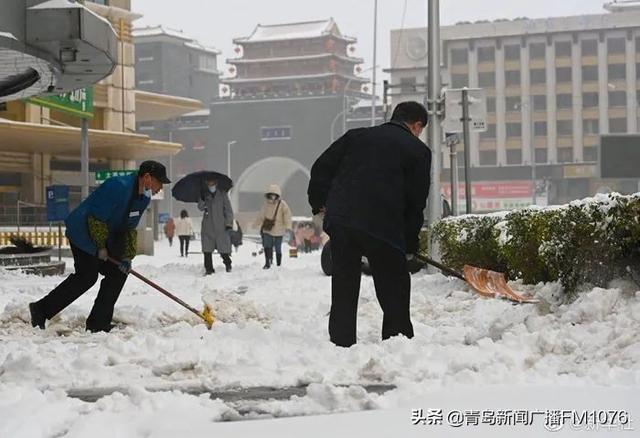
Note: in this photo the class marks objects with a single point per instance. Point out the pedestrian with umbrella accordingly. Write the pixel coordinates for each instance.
(210, 191)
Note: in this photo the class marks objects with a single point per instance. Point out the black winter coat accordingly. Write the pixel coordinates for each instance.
(375, 180)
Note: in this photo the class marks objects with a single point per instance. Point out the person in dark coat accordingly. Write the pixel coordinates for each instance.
(103, 226)
(217, 223)
(372, 185)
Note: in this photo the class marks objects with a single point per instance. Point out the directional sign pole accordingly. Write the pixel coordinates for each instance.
(467, 147)
(454, 176)
(84, 157)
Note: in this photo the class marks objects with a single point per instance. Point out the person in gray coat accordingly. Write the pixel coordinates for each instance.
(217, 222)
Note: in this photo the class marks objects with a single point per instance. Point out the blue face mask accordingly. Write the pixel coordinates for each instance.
(148, 193)
(212, 189)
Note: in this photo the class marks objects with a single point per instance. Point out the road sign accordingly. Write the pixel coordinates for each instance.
(103, 175)
(57, 203)
(453, 121)
(78, 103)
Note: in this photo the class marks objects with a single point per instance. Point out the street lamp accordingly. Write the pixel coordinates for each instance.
(532, 143)
(229, 144)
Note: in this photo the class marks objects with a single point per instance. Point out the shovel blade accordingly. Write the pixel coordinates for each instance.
(490, 284)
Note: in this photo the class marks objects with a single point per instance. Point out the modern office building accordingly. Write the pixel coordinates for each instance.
(553, 86)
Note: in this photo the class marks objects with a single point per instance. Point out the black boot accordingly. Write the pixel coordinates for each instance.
(278, 258)
(268, 257)
(226, 259)
(208, 264)
(37, 316)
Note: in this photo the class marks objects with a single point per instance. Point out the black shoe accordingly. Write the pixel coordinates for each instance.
(37, 316)
(228, 268)
(105, 329)
(213, 271)
(267, 266)
(279, 259)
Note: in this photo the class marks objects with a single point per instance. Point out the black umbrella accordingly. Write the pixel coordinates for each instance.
(193, 187)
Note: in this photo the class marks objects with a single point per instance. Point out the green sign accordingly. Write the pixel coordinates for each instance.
(103, 175)
(78, 103)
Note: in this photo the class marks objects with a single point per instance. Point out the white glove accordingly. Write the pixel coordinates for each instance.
(410, 257)
(103, 254)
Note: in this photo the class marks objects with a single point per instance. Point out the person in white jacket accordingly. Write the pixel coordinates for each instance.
(184, 230)
(273, 220)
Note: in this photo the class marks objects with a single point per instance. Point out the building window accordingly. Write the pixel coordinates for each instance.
(565, 155)
(269, 133)
(617, 98)
(590, 154)
(617, 71)
(589, 47)
(207, 63)
(538, 76)
(616, 45)
(537, 50)
(513, 103)
(488, 158)
(565, 128)
(563, 74)
(591, 126)
(590, 100)
(512, 52)
(408, 85)
(487, 79)
(618, 126)
(563, 49)
(540, 102)
(512, 77)
(486, 54)
(490, 133)
(541, 155)
(540, 129)
(491, 104)
(589, 73)
(564, 101)
(514, 130)
(514, 156)
(459, 56)
(459, 80)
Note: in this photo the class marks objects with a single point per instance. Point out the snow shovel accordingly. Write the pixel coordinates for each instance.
(206, 314)
(486, 283)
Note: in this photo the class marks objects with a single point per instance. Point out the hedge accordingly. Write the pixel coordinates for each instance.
(587, 241)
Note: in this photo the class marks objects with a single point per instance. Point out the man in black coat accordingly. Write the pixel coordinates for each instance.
(372, 185)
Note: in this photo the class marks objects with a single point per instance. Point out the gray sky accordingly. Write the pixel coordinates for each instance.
(217, 22)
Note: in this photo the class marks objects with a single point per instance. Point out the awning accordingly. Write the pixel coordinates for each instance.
(153, 107)
(62, 140)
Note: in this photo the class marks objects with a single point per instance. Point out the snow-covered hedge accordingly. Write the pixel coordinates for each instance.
(587, 241)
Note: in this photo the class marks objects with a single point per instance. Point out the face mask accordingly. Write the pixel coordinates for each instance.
(148, 193)
(212, 189)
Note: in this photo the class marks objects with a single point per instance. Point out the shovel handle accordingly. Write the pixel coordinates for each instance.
(443, 268)
(160, 289)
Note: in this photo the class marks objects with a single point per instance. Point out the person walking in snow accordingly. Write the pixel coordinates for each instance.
(217, 222)
(103, 226)
(273, 220)
(169, 230)
(372, 186)
(184, 230)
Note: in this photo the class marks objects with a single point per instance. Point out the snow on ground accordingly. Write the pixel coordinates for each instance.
(272, 331)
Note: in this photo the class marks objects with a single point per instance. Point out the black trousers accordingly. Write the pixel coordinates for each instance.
(87, 267)
(208, 261)
(390, 276)
(184, 244)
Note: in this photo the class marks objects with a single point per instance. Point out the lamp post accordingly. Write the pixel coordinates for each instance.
(375, 55)
(229, 144)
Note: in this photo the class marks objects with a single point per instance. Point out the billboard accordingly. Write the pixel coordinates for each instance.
(619, 156)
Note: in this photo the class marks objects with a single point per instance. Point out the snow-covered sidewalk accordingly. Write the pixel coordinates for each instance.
(468, 353)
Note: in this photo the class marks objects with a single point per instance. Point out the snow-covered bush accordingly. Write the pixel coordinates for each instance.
(587, 241)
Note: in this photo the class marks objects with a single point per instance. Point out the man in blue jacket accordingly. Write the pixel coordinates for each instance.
(103, 226)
